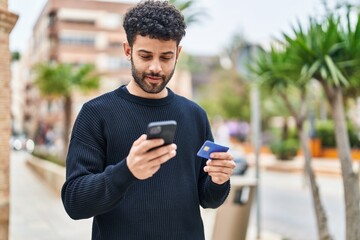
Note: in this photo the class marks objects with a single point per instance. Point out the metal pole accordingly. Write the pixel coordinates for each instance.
(246, 57)
(255, 118)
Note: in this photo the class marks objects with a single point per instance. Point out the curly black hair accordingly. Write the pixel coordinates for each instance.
(156, 19)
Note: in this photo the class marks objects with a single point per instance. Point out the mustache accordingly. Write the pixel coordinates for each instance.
(153, 74)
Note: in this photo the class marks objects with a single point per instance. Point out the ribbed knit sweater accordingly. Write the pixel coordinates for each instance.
(99, 184)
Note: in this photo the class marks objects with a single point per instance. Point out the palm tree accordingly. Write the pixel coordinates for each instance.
(278, 75)
(60, 81)
(191, 13)
(329, 51)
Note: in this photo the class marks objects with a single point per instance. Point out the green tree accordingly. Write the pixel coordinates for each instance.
(329, 51)
(226, 95)
(279, 76)
(191, 12)
(60, 81)
(15, 56)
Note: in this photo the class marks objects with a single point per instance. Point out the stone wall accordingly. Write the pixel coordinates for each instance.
(7, 21)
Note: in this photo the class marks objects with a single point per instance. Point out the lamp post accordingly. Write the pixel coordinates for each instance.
(246, 57)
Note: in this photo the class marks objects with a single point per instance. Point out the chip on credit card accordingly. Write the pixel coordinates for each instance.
(209, 147)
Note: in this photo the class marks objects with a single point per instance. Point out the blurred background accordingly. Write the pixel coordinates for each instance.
(279, 80)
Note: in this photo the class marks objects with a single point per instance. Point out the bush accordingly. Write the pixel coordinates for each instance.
(49, 157)
(354, 136)
(285, 150)
(325, 130)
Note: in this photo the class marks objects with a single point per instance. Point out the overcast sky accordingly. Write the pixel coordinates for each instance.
(258, 20)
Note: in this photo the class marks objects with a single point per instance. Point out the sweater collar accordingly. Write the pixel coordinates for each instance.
(124, 93)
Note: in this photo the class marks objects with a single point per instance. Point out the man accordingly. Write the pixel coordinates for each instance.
(115, 175)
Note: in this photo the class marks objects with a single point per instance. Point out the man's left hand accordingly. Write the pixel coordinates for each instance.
(220, 167)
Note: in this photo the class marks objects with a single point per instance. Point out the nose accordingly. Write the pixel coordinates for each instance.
(155, 66)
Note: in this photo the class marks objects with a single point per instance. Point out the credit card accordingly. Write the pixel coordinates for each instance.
(209, 147)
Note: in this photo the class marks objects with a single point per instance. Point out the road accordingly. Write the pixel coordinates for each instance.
(286, 205)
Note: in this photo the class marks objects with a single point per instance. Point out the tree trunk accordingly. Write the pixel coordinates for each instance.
(350, 178)
(7, 21)
(321, 218)
(285, 130)
(67, 123)
(300, 117)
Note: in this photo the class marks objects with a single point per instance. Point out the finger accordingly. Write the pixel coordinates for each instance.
(152, 143)
(219, 175)
(220, 170)
(155, 153)
(219, 178)
(221, 155)
(154, 165)
(163, 158)
(139, 140)
(144, 145)
(221, 163)
(154, 169)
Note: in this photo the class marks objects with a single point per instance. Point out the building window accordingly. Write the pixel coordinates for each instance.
(52, 18)
(80, 21)
(111, 21)
(115, 44)
(118, 63)
(77, 40)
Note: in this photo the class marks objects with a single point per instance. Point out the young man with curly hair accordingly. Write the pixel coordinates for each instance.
(135, 188)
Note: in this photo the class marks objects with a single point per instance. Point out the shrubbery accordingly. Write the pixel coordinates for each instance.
(285, 150)
(47, 156)
(325, 131)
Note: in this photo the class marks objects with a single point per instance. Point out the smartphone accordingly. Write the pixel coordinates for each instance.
(208, 147)
(162, 129)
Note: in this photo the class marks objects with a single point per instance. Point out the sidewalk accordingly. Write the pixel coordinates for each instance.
(208, 216)
(37, 212)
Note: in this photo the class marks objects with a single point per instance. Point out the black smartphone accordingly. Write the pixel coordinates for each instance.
(162, 129)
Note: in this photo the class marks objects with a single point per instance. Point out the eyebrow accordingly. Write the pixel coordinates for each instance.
(148, 52)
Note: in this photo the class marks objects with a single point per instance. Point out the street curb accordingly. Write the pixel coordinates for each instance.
(51, 173)
(319, 170)
(323, 167)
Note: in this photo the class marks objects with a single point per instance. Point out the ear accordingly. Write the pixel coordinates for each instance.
(127, 50)
(178, 52)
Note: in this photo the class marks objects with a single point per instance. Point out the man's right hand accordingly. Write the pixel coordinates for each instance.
(143, 163)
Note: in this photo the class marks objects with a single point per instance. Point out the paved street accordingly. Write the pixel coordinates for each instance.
(286, 207)
(36, 210)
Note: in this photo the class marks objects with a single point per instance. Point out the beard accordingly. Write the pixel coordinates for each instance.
(147, 87)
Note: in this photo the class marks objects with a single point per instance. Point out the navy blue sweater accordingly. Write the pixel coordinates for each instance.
(100, 185)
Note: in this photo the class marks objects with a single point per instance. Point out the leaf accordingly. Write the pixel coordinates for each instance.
(335, 73)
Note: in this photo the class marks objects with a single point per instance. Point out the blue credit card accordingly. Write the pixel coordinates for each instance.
(209, 147)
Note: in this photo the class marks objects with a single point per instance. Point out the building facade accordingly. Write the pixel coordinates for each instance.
(74, 32)
(7, 22)
(79, 32)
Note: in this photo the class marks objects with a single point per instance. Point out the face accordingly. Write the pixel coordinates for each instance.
(153, 63)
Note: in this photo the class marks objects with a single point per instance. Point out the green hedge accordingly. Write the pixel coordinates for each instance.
(48, 157)
(325, 130)
(285, 150)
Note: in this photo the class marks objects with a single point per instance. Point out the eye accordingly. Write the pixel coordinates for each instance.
(145, 57)
(165, 58)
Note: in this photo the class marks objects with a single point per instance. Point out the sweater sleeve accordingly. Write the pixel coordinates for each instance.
(91, 187)
(211, 194)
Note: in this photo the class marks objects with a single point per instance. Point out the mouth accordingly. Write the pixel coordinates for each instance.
(154, 80)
